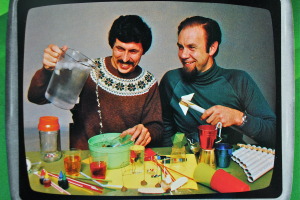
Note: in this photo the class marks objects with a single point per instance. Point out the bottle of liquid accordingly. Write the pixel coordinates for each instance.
(49, 133)
(46, 181)
(63, 181)
(42, 176)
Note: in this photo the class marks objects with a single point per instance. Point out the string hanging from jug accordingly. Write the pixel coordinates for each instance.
(94, 67)
(98, 102)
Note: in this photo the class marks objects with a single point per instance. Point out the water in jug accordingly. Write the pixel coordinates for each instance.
(70, 74)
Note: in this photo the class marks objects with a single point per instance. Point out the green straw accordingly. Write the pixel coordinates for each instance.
(83, 178)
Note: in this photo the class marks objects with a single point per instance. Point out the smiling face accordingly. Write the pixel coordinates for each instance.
(192, 50)
(126, 56)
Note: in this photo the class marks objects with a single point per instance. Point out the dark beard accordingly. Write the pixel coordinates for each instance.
(189, 76)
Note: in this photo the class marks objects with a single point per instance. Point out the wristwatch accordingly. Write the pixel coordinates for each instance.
(244, 119)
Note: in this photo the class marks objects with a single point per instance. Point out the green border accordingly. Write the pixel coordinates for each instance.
(296, 176)
(4, 189)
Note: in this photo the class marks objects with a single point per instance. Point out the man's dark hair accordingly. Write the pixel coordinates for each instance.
(212, 28)
(130, 28)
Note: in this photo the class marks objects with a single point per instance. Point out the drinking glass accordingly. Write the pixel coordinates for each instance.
(72, 162)
(98, 166)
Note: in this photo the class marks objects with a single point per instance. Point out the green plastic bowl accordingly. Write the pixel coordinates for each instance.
(117, 156)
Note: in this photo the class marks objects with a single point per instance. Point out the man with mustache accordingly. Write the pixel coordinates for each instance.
(228, 96)
(127, 96)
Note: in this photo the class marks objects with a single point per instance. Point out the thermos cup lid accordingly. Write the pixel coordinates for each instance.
(48, 123)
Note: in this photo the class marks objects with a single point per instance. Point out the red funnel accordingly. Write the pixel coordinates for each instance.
(224, 182)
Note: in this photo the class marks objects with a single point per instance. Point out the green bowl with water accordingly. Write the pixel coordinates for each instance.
(118, 155)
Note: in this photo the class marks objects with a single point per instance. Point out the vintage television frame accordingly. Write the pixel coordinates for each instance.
(281, 183)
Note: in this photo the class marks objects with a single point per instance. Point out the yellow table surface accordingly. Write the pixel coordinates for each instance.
(132, 181)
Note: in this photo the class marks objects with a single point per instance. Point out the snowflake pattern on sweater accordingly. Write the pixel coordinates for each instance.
(119, 86)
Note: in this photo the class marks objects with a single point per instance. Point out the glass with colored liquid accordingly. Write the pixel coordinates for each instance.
(72, 162)
(137, 155)
(98, 166)
(178, 154)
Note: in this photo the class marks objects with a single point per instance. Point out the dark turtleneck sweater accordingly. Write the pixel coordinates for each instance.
(217, 86)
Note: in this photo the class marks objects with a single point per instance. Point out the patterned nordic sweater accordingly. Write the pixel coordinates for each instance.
(125, 101)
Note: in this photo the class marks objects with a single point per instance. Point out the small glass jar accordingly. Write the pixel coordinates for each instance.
(49, 133)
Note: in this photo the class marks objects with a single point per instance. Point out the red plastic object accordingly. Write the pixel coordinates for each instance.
(149, 154)
(207, 136)
(224, 182)
(48, 123)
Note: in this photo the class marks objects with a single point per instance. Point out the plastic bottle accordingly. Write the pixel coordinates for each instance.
(42, 176)
(46, 181)
(63, 181)
(49, 133)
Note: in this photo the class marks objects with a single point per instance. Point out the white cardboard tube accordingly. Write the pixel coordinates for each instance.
(236, 153)
(241, 157)
(259, 161)
(253, 159)
(255, 176)
(254, 153)
(268, 162)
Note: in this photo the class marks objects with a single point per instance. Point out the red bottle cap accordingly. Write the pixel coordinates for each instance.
(48, 123)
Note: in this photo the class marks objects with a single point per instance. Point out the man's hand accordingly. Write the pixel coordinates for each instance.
(227, 116)
(51, 55)
(139, 132)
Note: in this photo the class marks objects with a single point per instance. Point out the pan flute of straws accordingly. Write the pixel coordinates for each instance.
(255, 160)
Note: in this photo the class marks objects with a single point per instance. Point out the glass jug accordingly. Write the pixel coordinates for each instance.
(71, 72)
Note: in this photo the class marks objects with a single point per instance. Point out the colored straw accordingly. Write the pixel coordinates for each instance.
(61, 190)
(177, 172)
(80, 184)
(102, 185)
(164, 168)
(89, 179)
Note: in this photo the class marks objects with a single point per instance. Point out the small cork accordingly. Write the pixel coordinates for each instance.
(124, 189)
(143, 182)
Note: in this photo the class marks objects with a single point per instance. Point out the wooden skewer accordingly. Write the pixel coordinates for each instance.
(256, 148)
(166, 171)
(175, 171)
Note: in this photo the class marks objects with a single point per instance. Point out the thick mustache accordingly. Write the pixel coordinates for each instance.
(186, 60)
(128, 62)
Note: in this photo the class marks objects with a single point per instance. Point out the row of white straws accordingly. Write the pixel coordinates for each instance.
(256, 161)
